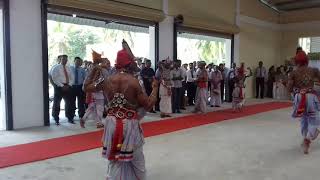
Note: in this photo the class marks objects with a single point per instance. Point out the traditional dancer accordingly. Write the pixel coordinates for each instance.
(216, 78)
(165, 88)
(238, 94)
(202, 84)
(306, 103)
(96, 99)
(123, 137)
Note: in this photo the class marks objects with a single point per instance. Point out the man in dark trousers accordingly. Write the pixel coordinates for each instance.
(261, 75)
(231, 80)
(63, 77)
(222, 69)
(77, 92)
(147, 74)
(191, 86)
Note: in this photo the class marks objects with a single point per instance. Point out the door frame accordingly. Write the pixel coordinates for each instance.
(44, 34)
(7, 65)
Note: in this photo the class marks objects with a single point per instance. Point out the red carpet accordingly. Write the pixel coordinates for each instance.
(41, 150)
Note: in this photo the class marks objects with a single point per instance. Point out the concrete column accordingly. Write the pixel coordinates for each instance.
(166, 38)
(237, 36)
(166, 34)
(152, 50)
(228, 52)
(26, 63)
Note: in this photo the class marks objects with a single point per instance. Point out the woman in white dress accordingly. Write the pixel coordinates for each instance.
(279, 88)
(215, 80)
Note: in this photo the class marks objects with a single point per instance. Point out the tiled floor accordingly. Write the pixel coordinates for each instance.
(264, 146)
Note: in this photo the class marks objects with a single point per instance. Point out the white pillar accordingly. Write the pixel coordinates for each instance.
(166, 38)
(166, 34)
(228, 52)
(26, 63)
(236, 47)
(152, 50)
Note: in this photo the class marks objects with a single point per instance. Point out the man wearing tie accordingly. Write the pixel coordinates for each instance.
(261, 74)
(191, 86)
(77, 92)
(63, 77)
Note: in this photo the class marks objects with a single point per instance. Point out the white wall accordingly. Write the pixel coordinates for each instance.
(26, 63)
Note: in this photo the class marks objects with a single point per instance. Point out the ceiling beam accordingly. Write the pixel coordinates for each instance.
(298, 4)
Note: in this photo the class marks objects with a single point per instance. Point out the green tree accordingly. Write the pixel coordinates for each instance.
(78, 40)
(57, 41)
(114, 35)
(211, 51)
(70, 39)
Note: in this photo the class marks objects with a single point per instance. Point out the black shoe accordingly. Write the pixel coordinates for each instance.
(152, 111)
(71, 121)
(178, 112)
(56, 119)
(217, 106)
(211, 106)
(183, 108)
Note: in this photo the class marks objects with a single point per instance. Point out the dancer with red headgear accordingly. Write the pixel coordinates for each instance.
(306, 103)
(123, 137)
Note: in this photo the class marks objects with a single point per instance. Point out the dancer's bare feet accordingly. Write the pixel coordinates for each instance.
(306, 146)
(100, 125)
(82, 123)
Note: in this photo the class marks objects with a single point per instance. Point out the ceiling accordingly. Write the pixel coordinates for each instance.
(291, 5)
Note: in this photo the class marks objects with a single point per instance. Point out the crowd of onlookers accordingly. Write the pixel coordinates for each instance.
(181, 86)
(276, 82)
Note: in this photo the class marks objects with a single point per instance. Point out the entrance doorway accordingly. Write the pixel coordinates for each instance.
(77, 36)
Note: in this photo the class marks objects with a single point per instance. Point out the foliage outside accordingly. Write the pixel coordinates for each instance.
(79, 40)
(190, 50)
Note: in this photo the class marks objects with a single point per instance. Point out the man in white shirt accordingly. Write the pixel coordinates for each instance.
(261, 76)
(63, 78)
(191, 86)
(176, 76)
(50, 72)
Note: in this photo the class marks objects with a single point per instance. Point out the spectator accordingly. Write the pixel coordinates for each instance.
(261, 74)
(63, 78)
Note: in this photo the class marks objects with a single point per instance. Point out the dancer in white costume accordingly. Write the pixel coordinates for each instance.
(165, 88)
(202, 85)
(215, 93)
(238, 94)
(95, 99)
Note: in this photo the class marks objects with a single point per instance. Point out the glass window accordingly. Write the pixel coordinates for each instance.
(194, 47)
